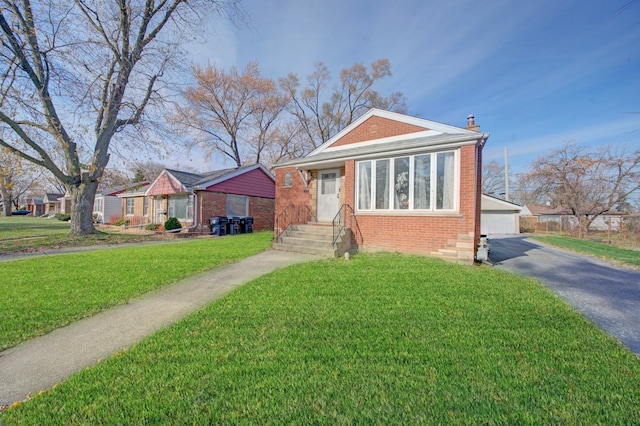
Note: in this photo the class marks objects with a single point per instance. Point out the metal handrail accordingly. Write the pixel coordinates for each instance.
(291, 215)
(341, 224)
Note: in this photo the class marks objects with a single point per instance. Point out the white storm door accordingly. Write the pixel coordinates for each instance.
(328, 194)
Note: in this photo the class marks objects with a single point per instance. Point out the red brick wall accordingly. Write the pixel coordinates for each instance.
(215, 204)
(263, 212)
(420, 234)
(377, 128)
(298, 194)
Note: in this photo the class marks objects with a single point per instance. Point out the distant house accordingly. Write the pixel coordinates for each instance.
(499, 217)
(563, 218)
(194, 198)
(51, 201)
(35, 206)
(386, 182)
(107, 204)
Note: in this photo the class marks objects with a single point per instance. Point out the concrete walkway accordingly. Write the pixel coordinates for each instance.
(40, 363)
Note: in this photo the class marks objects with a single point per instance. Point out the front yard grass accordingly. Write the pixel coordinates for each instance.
(382, 339)
(600, 250)
(27, 234)
(41, 294)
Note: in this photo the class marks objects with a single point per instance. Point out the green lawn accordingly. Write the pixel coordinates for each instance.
(26, 226)
(41, 294)
(26, 234)
(382, 339)
(601, 250)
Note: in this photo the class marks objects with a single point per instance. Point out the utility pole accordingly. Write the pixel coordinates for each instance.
(506, 175)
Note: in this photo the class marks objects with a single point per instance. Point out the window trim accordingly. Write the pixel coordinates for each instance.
(131, 201)
(391, 208)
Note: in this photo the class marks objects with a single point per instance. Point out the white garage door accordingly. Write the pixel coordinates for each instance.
(498, 223)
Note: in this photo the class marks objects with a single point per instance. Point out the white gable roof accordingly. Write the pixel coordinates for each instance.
(432, 128)
(495, 204)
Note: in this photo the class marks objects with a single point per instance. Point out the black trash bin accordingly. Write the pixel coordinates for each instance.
(218, 225)
(234, 225)
(248, 224)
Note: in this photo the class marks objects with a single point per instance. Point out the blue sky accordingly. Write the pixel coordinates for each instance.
(535, 74)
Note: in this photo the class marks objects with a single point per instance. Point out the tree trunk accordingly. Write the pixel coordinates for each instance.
(6, 203)
(82, 198)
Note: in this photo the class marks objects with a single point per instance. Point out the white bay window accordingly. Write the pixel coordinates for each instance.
(424, 182)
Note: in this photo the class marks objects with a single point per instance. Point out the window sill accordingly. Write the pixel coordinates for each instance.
(408, 213)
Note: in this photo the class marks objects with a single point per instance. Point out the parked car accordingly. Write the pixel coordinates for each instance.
(21, 212)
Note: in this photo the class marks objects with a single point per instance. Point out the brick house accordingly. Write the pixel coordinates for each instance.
(52, 203)
(194, 198)
(107, 205)
(387, 182)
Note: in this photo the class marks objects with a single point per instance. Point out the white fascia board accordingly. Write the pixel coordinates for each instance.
(492, 203)
(426, 133)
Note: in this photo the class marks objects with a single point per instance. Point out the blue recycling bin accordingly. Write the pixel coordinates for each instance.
(218, 225)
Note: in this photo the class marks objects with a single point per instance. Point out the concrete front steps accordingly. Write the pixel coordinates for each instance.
(313, 239)
(460, 250)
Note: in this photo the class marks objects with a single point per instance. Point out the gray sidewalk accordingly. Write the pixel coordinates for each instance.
(40, 363)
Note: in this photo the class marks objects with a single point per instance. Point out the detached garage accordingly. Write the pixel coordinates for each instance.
(499, 217)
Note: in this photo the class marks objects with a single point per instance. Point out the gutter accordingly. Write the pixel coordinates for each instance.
(195, 216)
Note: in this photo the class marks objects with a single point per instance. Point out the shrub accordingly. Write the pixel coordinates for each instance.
(122, 222)
(63, 217)
(172, 223)
(152, 227)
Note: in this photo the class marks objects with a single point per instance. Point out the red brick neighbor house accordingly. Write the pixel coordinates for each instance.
(387, 182)
(194, 198)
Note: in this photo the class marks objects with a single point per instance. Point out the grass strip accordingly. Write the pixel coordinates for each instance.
(593, 248)
(42, 294)
(382, 339)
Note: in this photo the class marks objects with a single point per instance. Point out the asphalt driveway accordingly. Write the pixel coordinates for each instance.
(607, 294)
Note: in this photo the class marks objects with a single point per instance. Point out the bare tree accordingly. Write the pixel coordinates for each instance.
(233, 113)
(146, 170)
(74, 73)
(321, 115)
(16, 179)
(493, 179)
(588, 182)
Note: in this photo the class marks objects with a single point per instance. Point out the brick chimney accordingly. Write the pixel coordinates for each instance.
(471, 124)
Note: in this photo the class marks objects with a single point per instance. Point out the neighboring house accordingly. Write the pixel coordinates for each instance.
(195, 198)
(64, 203)
(107, 204)
(35, 206)
(393, 182)
(51, 203)
(499, 217)
(565, 219)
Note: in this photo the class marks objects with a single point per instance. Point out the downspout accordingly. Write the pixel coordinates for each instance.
(195, 216)
(478, 202)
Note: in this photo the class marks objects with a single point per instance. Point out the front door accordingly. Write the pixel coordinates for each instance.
(328, 194)
(160, 213)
